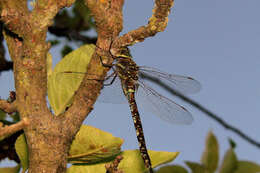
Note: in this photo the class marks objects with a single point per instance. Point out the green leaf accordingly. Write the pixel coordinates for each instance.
(247, 167)
(160, 157)
(93, 145)
(229, 163)
(172, 169)
(62, 86)
(96, 168)
(22, 151)
(210, 155)
(131, 163)
(196, 167)
(15, 169)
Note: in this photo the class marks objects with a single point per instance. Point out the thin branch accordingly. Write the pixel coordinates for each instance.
(113, 167)
(205, 110)
(9, 130)
(157, 23)
(44, 11)
(7, 106)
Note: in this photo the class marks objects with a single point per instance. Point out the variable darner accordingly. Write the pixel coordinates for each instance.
(127, 75)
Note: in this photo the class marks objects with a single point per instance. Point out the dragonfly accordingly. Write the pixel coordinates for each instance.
(128, 76)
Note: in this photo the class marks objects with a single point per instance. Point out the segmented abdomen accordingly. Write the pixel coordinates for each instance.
(139, 129)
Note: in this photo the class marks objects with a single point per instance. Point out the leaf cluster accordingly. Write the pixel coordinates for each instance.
(210, 161)
(92, 149)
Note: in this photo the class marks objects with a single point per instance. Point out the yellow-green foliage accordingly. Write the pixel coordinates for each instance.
(210, 159)
(92, 148)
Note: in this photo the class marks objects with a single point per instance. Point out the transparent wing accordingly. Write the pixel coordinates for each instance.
(163, 107)
(112, 91)
(183, 84)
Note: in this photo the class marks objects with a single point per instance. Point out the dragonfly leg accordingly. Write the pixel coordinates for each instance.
(82, 73)
(105, 65)
(101, 60)
(112, 81)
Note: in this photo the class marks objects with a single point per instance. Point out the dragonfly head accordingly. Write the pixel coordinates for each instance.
(123, 52)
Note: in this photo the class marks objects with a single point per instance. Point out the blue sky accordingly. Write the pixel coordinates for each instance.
(217, 43)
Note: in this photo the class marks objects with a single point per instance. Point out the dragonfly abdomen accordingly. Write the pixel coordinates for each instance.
(139, 130)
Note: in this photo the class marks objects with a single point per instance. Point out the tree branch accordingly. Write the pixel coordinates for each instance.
(113, 167)
(44, 11)
(204, 110)
(108, 18)
(15, 15)
(9, 130)
(157, 23)
(8, 107)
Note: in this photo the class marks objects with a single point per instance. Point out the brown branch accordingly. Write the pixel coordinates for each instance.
(8, 107)
(108, 18)
(157, 23)
(205, 110)
(113, 167)
(15, 15)
(9, 130)
(44, 12)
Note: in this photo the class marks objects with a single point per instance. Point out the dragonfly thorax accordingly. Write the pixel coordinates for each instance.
(127, 69)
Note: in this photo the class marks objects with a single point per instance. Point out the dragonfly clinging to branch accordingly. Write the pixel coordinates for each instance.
(128, 76)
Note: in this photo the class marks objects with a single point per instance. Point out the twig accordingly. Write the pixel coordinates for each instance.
(205, 110)
(8, 130)
(113, 167)
(157, 23)
(7, 106)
